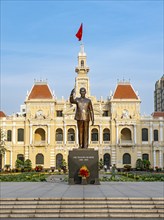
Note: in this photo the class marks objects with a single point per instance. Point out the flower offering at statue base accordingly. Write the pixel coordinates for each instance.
(84, 172)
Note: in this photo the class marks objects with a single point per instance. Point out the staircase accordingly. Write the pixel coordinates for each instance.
(82, 208)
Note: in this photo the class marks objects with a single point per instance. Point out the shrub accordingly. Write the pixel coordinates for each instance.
(27, 165)
(127, 167)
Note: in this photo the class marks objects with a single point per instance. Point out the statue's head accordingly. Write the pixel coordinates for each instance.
(82, 92)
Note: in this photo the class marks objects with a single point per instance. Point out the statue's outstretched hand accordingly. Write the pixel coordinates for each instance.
(73, 91)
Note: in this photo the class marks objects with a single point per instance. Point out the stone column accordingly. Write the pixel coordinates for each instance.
(160, 159)
(116, 133)
(101, 139)
(52, 157)
(134, 134)
(5, 158)
(151, 132)
(113, 155)
(26, 152)
(11, 159)
(31, 135)
(14, 133)
(48, 134)
(154, 158)
(161, 131)
(65, 134)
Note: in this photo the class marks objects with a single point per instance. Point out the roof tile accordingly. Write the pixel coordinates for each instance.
(40, 92)
(124, 91)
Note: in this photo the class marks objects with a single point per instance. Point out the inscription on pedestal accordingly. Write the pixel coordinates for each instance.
(79, 157)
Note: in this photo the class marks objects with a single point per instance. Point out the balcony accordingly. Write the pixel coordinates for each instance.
(70, 142)
(59, 142)
(126, 142)
(40, 143)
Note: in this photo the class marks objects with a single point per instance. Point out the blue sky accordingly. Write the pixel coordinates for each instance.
(122, 39)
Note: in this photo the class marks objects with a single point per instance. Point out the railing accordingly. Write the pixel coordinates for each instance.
(40, 143)
(106, 142)
(94, 142)
(59, 142)
(126, 142)
(70, 142)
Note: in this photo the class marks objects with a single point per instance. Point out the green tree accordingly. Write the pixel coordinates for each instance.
(19, 165)
(64, 166)
(139, 164)
(27, 165)
(146, 164)
(101, 164)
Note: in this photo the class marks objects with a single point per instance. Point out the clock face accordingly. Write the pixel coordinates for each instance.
(125, 113)
(40, 112)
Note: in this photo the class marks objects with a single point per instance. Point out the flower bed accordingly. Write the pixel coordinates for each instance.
(23, 177)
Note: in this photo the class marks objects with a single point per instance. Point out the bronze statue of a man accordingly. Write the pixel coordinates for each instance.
(84, 113)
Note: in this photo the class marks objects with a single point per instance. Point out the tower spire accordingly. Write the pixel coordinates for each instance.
(82, 80)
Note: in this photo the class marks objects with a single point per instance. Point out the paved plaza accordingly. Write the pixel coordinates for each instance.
(63, 190)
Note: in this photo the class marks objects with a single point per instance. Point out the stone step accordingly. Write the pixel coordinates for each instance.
(5, 211)
(97, 202)
(82, 208)
(82, 215)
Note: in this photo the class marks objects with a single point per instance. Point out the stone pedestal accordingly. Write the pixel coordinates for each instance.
(79, 157)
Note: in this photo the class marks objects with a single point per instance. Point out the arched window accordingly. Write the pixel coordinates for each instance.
(59, 159)
(82, 63)
(20, 157)
(126, 158)
(20, 134)
(40, 159)
(59, 134)
(155, 135)
(71, 134)
(126, 134)
(40, 135)
(9, 135)
(106, 134)
(144, 134)
(107, 160)
(94, 135)
(145, 156)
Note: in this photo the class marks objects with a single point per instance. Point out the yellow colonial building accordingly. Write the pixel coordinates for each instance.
(45, 130)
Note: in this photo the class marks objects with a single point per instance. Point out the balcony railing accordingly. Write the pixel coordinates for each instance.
(40, 143)
(70, 142)
(59, 142)
(126, 142)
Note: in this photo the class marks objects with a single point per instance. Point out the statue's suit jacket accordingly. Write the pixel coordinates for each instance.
(84, 110)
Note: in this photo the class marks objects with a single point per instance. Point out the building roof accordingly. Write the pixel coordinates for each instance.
(124, 91)
(40, 91)
(2, 114)
(158, 114)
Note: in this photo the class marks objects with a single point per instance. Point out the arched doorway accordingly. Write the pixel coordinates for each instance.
(107, 160)
(59, 159)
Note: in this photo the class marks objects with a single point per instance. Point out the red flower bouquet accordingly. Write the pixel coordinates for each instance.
(84, 172)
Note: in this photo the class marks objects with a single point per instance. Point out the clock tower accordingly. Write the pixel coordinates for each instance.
(82, 79)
